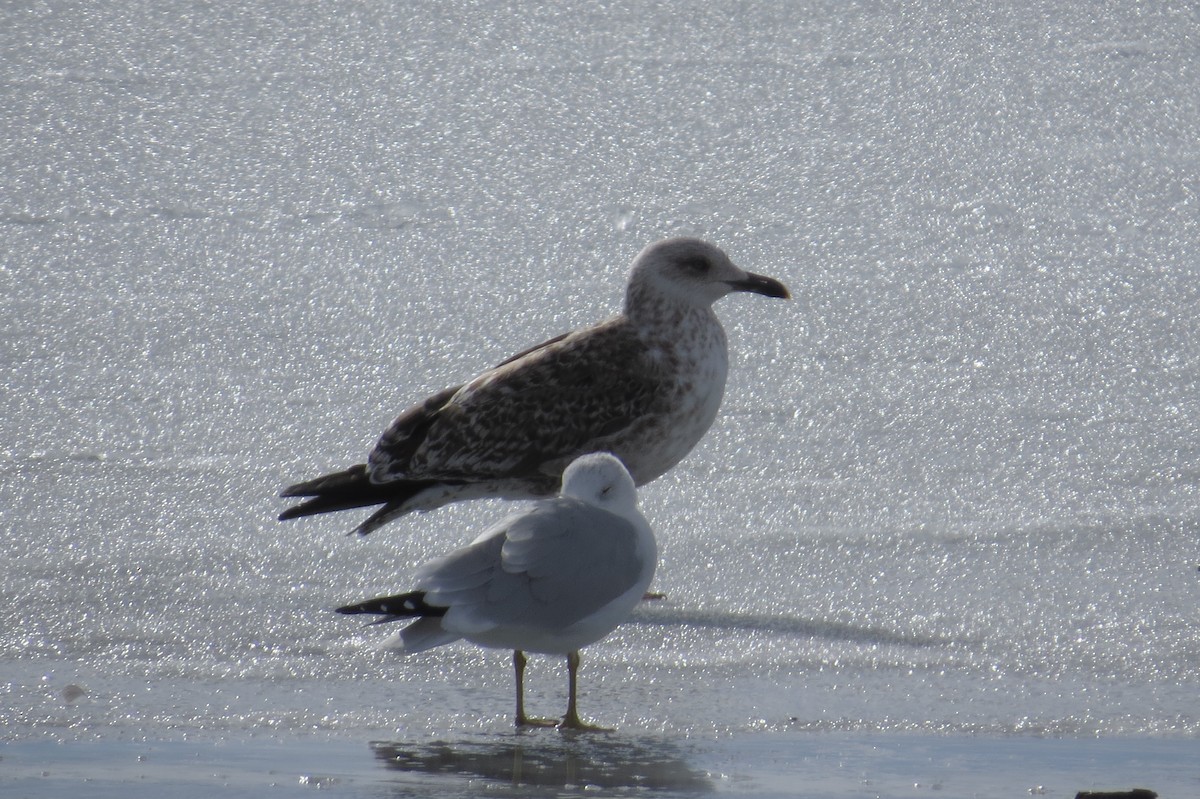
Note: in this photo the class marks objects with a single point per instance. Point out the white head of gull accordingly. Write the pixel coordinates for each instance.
(552, 579)
(645, 385)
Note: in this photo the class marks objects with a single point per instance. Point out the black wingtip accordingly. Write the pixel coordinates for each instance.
(350, 489)
(316, 505)
(397, 607)
(293, 491)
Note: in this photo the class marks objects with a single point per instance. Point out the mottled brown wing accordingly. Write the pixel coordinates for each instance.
(553, 402)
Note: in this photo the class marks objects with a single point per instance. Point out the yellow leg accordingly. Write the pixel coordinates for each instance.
(571, 721)
(519, 661)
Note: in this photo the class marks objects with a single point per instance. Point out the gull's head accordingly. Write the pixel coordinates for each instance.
(693, 272)
(600, 479)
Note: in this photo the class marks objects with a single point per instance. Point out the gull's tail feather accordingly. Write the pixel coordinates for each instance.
(352, 488)
(422, 634)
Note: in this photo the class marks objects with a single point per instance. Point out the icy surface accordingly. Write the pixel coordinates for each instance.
(954, 485)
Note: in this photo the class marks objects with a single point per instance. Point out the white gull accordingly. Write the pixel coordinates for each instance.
(552, 579)
(644, 385)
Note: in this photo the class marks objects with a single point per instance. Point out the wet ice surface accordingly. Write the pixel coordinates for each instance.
(953, 488)
(545, 763)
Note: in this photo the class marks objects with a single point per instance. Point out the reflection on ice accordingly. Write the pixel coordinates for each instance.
(552, 760)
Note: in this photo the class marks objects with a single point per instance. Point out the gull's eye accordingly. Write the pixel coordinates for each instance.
(694, 266)
(604, 491)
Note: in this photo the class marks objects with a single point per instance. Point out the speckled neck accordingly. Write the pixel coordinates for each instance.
(646, 307)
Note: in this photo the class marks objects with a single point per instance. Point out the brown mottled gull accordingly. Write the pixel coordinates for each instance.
(644, 385)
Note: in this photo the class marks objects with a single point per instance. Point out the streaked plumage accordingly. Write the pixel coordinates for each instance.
(645, 385)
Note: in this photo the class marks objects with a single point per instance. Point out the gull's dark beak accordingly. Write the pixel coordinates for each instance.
(760, 284)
